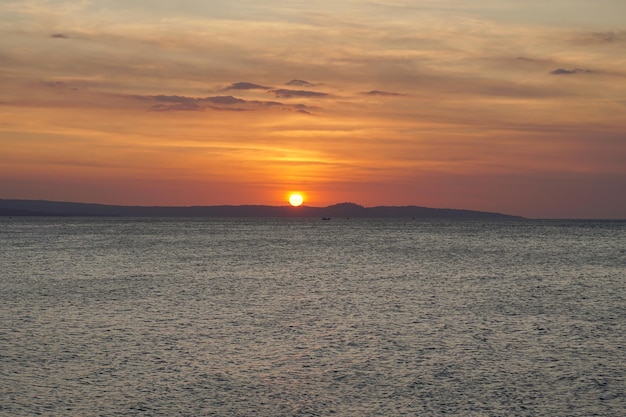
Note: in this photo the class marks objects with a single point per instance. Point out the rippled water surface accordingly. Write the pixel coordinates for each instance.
(311, 318)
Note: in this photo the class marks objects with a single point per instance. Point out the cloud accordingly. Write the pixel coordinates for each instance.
(523, 58)
(382, 93)
(286, 93)
(224, 100)
(58, 86)
(246, 86)
(175, 103)
(54, 84)
(59, 36)
(221, 100)
(221, 103)
(609, 36)
(176, 107)
(174, 99)
(218, 108)
(303, 108)
(265, 103)
(300, 83)
(183, 103)
(562, 71)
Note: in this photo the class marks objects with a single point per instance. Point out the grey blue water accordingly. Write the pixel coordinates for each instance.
(278, 317)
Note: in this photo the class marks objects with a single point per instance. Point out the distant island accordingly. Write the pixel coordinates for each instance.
(341, 210)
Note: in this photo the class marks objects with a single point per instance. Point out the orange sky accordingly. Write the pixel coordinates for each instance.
(491, 106)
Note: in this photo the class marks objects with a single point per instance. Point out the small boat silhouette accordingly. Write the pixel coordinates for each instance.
(325, 218)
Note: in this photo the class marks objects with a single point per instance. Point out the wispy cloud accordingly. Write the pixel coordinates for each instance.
(382, 93)
(300, 83)
(176, 107)
(246, 86)
(59, 36)
(224, 100)
(286, 93)
(229, 103)
(609, 36)
(563, 71)
(54, 84)
(175, 103)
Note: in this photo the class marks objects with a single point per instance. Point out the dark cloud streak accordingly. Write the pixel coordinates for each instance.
(286, 93)
(220, 103)
(176, 107)
(300, 83)
(173, 99)
(382, 93)
(563, 71)
(223, 100)
(610, 36)
(246, 86)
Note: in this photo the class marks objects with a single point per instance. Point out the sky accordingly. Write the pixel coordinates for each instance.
(508, 106)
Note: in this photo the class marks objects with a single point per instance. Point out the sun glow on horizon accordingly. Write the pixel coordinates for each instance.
(296, 199)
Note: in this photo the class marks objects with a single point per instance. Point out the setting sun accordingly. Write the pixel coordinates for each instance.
(296, 199)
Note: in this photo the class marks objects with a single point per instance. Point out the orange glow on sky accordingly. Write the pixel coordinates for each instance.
(506, 108)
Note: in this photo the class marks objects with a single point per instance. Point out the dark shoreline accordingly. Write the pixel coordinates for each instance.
(342, 210)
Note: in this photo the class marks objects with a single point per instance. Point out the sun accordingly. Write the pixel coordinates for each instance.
(296, 199)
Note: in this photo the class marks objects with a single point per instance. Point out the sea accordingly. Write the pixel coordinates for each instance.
(304, 317)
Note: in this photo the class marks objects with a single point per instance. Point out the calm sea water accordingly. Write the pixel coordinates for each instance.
(310, 318)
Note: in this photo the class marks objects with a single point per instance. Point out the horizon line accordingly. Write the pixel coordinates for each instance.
(304, 206)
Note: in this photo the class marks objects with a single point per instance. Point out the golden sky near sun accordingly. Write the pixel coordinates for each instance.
(496, 106)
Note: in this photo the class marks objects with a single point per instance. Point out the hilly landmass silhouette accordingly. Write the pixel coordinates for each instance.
(341, 210)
